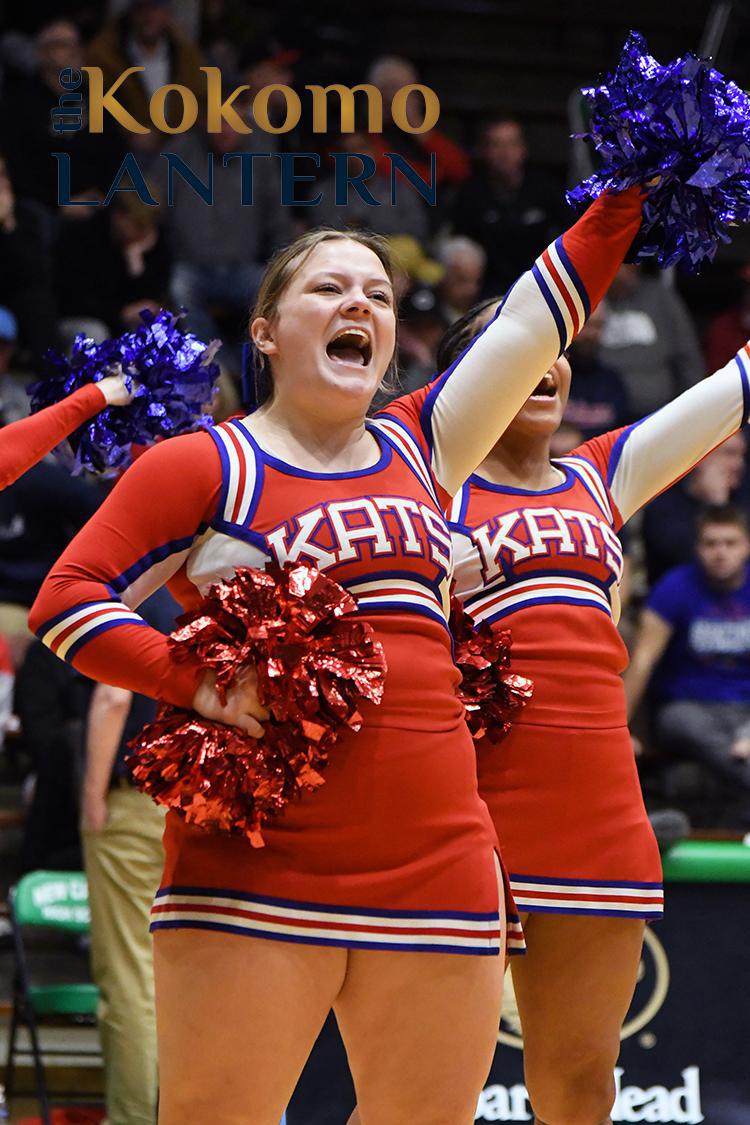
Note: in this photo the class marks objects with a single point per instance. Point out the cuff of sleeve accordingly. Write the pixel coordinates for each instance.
(93, 396)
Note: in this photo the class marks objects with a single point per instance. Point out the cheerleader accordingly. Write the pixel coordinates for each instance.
(24, 443)
(378, 895)
(536, 550)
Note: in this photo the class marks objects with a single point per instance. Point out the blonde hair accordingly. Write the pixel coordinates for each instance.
(279, 273)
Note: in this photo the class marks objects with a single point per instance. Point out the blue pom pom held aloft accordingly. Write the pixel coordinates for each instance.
(685, 124)
(175, 377)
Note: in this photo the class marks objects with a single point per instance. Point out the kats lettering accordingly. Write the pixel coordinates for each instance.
(511, 538)
(337, 532)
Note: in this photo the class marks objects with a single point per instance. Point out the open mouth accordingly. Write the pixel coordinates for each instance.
(545, 388)
(350, 345)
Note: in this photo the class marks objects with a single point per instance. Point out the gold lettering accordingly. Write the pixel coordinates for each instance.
(431, 109)
(347, 104)
(293, 108)
(189, 108)
(219, 110)
(99, 101)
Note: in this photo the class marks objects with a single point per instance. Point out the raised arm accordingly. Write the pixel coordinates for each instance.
(464, 412)
(138, 539)
(642, 460)
(24, 443)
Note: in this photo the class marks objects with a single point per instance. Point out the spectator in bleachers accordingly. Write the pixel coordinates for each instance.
(39, 515)
(226, 32)
(649, 338)
(219, 250)
(28, 140)
(122, 832)
(51, 699)
(390, 73)
(693, 643)
(267, 64)
(464, 262)
(7, 673)
(14, 402)
(412, 267)
(25, 271)
(728, 331)
(670, 521)
(408, 215)
(422, 323)
(112, 268)
(510, 210)
(598, 400)
(145, 35)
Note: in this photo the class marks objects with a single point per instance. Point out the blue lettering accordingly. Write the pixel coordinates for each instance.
(63, 184)
(428, 190)
(176, 164)
(342, 178)
(289, 178)
(246, 172)
(130, 168)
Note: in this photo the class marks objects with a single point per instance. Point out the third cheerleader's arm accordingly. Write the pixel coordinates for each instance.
(24, 443)
(461, 415)
(642, 460)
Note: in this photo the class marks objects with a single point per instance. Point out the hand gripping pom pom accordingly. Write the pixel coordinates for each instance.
(684, 126)
(491, 694)
(315, 661)
(175, 379)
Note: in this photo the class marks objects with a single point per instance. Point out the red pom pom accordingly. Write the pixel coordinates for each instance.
(491, 694)
(314, 662)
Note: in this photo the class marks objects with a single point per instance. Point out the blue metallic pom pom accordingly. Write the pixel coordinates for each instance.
(175, 379)
(686, 124)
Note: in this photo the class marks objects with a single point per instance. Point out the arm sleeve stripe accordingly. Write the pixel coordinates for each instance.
(557, 316)
(79, 622)
(74, 645)
(574, 277)
(566, 291)
(50, 623)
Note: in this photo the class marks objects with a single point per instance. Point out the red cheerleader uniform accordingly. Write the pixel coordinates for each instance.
(563, 788)
(24, 443)
(396, 850)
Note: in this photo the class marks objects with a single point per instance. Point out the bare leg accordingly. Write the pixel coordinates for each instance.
(237, 1018)
(573, 991)
(420, 1031)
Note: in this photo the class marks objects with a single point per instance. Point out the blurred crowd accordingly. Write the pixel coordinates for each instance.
(89, 268)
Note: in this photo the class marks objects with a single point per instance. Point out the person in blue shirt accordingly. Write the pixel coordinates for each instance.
(693, 643)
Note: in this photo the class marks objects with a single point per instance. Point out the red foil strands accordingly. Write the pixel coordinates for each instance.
(491, 694)
(314, 661)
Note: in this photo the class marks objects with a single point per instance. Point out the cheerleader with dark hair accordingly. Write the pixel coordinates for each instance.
(536, 550)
